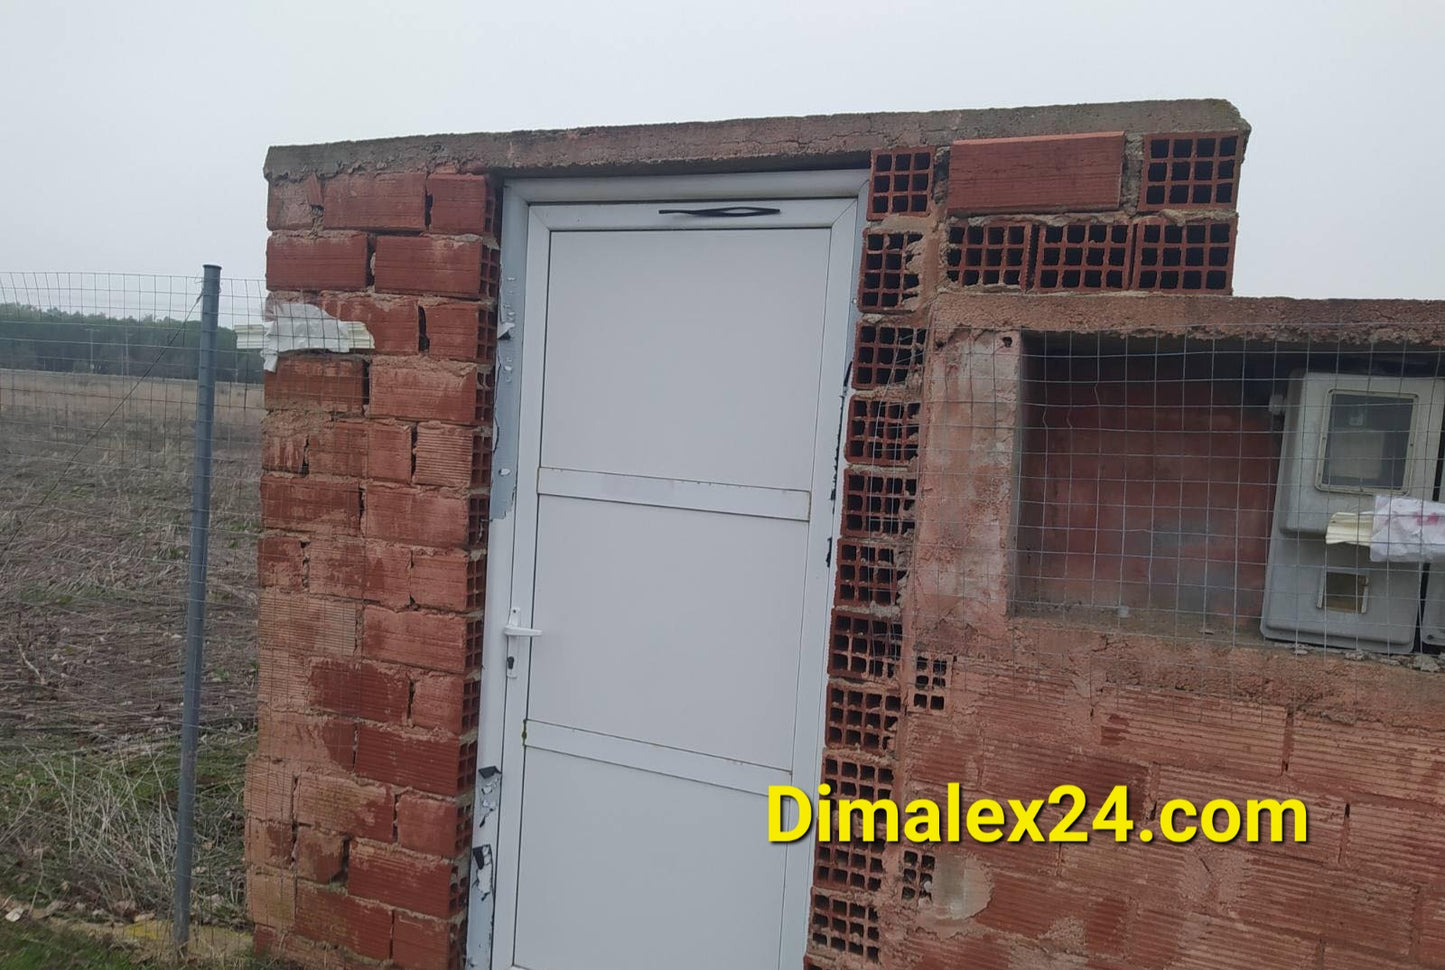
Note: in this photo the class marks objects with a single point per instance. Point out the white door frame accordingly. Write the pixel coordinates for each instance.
(532, 208)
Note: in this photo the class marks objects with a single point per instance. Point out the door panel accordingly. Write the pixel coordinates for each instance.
(669, 626)
(628, 868)
(691, 355)
(677, 460)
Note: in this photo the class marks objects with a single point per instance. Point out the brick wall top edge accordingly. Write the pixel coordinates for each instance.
(738, 144)
(1113, 313)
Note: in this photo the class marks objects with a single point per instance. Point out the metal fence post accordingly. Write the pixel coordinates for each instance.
(196, 601)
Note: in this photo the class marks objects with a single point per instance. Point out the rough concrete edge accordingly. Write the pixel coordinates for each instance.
(737, 144)
(1154, 313)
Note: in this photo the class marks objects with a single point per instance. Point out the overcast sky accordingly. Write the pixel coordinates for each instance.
(134, 132)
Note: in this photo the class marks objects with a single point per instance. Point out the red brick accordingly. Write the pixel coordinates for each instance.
(338, 448)
(1432, 930)
(426, 390)
(283, 439)
(407, 514)
(359, 689)
(1190, 941)
(334, 262)
(1311, 900)
(294, 950)
(1192, 731)
(1157, 871)
(316, 382)
(322, 741)
(416, 882)
(268, 843)
(446, 455)
(419, 943)
(429, 265)
(271, 897)
(320, 856)
(1033, 907)
(392, 321)
(293, 205)
(307, 505)
(430, 763)
(1395, 843)
(370, 201)
(1325, 814)
(1343, 958)
(1044, 173)
(342, 805)
(1027, 770)
(282, 680)
(336, 566)
(302, 625)
(454, 330)
(331, 916)
(430, 825)
(437, 702)
(437, 641)
(388, 450)
(460, 203)
(388, 574)
(1365, 758)
(984, 951)
(280, 562)
(445, 579)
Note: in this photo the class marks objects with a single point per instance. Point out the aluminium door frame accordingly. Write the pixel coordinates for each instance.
(526, 228)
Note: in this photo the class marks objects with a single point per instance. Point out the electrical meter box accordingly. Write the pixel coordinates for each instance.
(1348, 438)
(1432, 617)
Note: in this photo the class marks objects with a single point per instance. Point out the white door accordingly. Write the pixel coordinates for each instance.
(680, 407)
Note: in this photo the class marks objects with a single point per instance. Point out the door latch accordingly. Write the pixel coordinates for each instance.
(514, 631)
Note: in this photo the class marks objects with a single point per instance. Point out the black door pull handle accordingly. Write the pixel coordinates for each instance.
(723, 212)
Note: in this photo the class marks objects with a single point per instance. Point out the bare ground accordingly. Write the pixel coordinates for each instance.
(94, 539)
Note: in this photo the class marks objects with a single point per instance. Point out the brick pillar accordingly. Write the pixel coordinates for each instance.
(374, 514)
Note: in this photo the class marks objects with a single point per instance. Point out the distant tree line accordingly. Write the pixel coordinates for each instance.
(82, 343)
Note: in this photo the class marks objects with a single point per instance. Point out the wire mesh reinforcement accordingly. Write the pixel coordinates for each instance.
(1216, 491)
(97, 412)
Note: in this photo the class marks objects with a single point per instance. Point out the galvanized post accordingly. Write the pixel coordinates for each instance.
(196, 602)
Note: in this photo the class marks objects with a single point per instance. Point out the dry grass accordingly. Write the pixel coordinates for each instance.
(94, 535)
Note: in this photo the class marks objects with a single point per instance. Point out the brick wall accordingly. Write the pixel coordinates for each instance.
(1018, 465)
(372, 564)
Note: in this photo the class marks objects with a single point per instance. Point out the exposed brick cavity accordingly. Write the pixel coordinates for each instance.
(900, 182)
(890, 279)
(990, 254)
(1191, 171)
(1184, 257)
(1083, 256)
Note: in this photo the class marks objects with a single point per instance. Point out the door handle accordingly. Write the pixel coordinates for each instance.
(514, 631)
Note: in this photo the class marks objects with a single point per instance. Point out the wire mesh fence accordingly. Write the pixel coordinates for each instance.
(97, 418)
(1233, 490)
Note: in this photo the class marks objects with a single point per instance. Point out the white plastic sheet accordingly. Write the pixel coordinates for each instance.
(301, 326)
(1407, 530)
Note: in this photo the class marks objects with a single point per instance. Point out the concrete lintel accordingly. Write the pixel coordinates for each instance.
(813, 141)
(1144, 314)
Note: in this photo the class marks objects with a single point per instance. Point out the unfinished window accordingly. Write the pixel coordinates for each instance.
(1227, 488)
